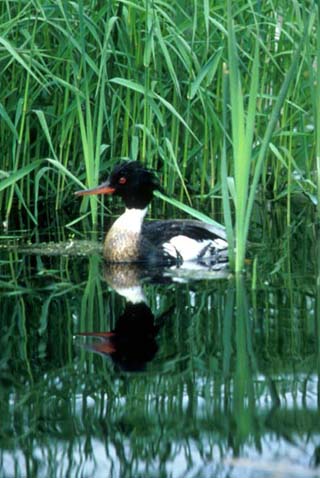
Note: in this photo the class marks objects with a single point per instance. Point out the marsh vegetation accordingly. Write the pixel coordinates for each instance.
(222, 99)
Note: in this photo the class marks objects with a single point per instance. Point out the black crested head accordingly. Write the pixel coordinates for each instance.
(134, 184)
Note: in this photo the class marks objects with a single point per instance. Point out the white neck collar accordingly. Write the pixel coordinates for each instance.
(131, 220)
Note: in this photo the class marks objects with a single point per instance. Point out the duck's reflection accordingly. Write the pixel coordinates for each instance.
(132, 343)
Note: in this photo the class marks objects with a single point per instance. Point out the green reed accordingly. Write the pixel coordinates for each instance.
(248, 162)
(217, 99)
(315, 89)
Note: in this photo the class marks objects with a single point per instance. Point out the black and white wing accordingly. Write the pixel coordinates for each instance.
(187, 240)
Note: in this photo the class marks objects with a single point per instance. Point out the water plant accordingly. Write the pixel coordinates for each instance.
(248, 159)
(214, 96)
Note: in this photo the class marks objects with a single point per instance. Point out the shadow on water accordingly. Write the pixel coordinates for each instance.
(117, 372)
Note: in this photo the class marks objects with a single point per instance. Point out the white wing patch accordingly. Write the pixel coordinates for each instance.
(182, 247)
(219, 244)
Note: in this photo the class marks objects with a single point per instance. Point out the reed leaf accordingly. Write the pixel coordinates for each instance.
(63, 170)
(189, 210)
(7, 119)
(140, 89)
(317, 108)
(13, 178)
(225, 187)
(208, 70)
(243, 126)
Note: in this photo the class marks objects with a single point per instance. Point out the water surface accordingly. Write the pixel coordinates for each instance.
(111, 372)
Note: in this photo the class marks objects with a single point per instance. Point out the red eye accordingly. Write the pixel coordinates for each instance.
(122, 180)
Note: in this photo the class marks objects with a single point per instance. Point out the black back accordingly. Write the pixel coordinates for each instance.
(159, 232)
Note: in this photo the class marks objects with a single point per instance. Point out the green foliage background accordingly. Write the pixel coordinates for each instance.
(221, 97)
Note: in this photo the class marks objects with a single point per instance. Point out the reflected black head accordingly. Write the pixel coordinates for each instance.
(134, 184)
(135, 337)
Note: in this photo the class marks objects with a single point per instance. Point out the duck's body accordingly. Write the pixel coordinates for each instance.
(130, 239)
(123, 240)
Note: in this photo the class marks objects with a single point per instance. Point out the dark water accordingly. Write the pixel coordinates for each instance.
(189, 377)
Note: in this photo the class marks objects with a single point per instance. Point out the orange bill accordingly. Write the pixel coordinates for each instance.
(104, 188)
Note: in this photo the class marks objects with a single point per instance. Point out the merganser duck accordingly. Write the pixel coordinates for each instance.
(165, 242)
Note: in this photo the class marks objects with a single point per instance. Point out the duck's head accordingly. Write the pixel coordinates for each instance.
(131, 181)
